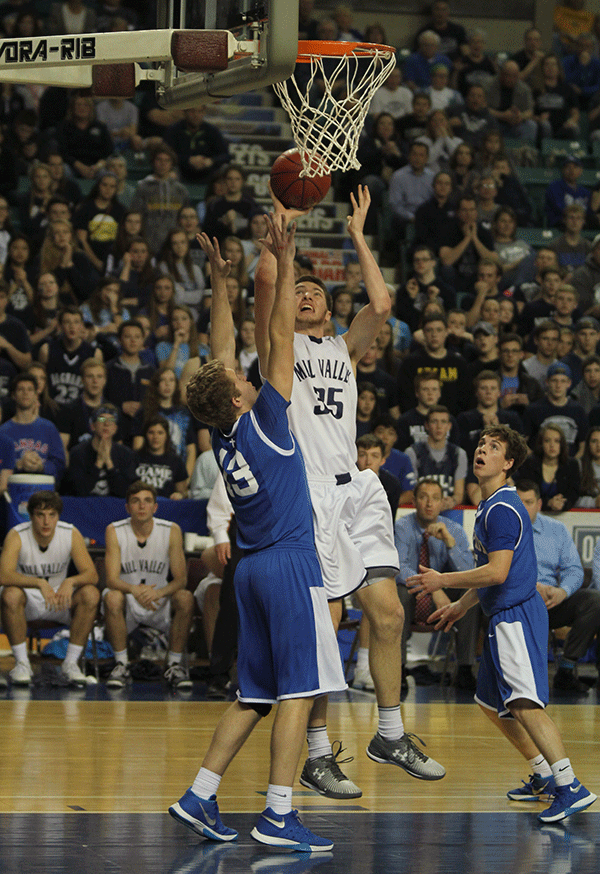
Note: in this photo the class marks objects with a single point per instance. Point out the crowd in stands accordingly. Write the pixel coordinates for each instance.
(105, 293)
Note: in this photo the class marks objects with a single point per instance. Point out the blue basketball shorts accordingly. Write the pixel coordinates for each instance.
(287, 647)
(514, 662)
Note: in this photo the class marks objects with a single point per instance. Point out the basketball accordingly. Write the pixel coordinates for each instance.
(295, 191)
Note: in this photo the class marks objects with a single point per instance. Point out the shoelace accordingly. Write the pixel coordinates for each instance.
(338, 753)
(414, 748)
(335, 765)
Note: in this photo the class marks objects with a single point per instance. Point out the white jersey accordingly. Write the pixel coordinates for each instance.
(50, 563)
(149, 563)
(322, 413)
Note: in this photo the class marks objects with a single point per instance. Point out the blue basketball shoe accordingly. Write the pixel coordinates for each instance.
(536, 789)
(567, 801)
(201, 815)
(287, 831)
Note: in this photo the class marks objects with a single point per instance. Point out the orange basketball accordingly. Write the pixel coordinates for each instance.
(295, 191)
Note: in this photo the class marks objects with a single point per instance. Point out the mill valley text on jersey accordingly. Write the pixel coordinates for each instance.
(142, 565)
(305, 369)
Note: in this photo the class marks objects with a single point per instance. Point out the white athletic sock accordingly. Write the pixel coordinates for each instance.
(279, 799)
(20, 653)
(540, 766)
(318, 742)
(563, 772)
(390, 725)
(362, 659)
(73, 653)
(174, 658)
(206, 783)
(122, 657)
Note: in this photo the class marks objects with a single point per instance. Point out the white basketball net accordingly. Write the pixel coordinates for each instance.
(326, 126)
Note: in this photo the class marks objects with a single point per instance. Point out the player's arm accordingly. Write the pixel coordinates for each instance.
(265, 278)
(493, 573)
(10, 576)
(369, 320)
(9, 558)
(112, 564)
(87, 574)
(446, 615)
(280, 371)
(222, 334)
(177, 563)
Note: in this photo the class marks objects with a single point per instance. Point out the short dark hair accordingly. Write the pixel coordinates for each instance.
(69, 310)
(370, 441)
(384, 421)
(428, 481)
(485, 375)
(130, 323)
(426, 376)
(437, 408)
(544, 326)
(137, 487)
(434, 317)
(529, 485)
(164, 149)
(591, 359)
(516, 445)
(23, 377)
(44, 500)
(510, 338)
(310, 277)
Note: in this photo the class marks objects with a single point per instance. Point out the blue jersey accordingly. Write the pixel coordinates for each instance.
(502, 522)
(265, 477)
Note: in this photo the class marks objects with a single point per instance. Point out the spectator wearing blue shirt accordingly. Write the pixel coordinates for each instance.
(566, 191)
(582, 69)
(448, 549)
(560, 583)
(394, 461)
(410, 187)
(417, 67)
(38, 447)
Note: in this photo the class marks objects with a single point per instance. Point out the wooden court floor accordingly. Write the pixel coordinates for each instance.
(86, 779)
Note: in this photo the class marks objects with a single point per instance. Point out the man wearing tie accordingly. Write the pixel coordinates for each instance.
(423, 538)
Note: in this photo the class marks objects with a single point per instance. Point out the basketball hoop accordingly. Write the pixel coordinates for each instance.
(326, 128)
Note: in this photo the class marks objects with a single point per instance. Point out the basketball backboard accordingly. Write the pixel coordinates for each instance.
(200, 51)
(267, 27)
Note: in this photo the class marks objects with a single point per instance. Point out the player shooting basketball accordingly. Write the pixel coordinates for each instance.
(356, 551)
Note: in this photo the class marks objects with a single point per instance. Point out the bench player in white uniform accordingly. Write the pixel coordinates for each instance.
(141, 552)
(33, 568)
(353, 521)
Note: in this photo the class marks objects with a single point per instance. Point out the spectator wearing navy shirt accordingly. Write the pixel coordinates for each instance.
(558, 409)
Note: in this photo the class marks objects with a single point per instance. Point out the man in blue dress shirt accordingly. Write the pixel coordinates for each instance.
(448, 549)
(559, 582)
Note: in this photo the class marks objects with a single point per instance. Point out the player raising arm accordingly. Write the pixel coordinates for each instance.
(357, 553)
(367, 323)
(287, 650)
(513, 673)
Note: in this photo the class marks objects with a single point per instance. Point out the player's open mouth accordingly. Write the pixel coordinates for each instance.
(479, 461)
(307, 308)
